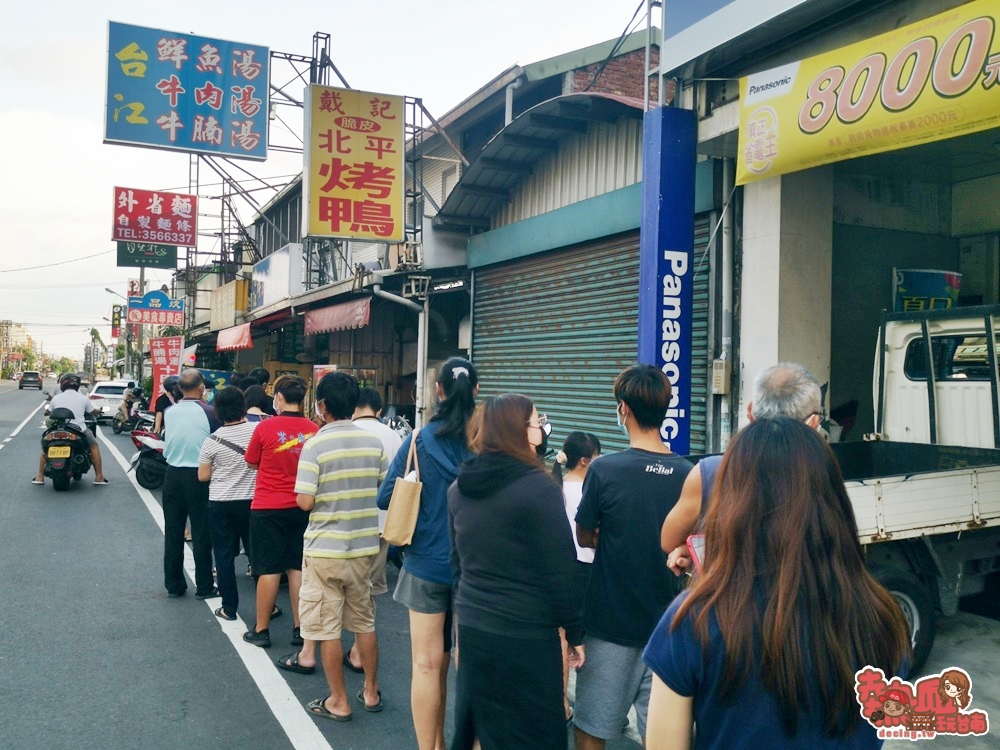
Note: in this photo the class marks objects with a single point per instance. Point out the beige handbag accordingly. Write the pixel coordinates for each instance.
(404, 505)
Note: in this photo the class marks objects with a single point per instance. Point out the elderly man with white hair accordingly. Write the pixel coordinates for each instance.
(784, 390)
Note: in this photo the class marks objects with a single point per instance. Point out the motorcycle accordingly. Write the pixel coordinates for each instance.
(148, 461)
(139, 418)
(67, 453)
(397, 421)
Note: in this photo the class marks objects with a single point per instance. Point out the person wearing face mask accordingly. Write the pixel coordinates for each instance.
(277, 524)
(425, 581)
(626, 497)
(578, 451)
(512, 557)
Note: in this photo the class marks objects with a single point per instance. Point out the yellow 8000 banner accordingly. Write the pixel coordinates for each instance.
(935, 79)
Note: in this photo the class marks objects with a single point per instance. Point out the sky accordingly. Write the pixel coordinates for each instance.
(56, 191)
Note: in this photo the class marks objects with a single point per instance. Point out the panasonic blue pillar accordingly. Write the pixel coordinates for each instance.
(667, 262)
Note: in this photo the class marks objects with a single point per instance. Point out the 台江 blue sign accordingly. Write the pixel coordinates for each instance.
(666, 255)
(186, 93)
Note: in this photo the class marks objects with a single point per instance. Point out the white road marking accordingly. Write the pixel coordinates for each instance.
(299, 726)
(26, 420)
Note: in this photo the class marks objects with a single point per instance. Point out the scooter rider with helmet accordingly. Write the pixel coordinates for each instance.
(129, 397)
(71, 398)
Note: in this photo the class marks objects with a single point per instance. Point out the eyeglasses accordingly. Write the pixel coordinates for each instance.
(543, 424)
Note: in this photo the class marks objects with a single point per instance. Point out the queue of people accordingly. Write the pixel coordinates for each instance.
(520, 575)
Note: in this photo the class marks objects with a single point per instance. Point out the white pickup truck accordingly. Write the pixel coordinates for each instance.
(926, 485)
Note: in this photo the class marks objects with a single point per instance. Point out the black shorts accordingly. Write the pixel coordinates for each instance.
(276, 540)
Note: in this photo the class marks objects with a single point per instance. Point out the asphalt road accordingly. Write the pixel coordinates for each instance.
(96, 656)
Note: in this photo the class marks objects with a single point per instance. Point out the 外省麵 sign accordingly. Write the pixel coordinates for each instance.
(935, 79)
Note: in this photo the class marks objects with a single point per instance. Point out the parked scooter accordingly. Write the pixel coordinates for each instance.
(67, 454)
(397, 421)
(148, 462)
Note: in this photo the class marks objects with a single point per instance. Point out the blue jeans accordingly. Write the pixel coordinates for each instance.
(229, 522)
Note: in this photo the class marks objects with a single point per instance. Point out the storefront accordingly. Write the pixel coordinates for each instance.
(560, 326)
(868, 147)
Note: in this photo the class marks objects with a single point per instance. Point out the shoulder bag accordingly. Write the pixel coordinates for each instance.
(401, 520)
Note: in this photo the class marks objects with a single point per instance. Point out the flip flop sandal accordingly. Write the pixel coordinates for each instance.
(101, 483)
(316, 708)
(347, 663)
(35, 481)
(221, 613)
(290, 663)
(370, 709)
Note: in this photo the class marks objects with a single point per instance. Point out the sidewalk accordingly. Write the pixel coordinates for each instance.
(972, 643)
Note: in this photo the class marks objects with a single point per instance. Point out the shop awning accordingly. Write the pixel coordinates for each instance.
(346, 315)
(237, 337)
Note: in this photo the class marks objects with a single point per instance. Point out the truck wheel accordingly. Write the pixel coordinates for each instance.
(915, 601)
(60, 481)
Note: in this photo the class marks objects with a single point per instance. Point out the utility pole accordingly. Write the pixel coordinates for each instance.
(139, 352)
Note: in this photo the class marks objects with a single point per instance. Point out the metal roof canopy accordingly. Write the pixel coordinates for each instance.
(510, 156)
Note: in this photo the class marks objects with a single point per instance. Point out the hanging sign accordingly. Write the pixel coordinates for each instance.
(353, 179)
(156, 308)
(935, 79)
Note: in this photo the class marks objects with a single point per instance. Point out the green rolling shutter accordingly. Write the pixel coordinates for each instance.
(560, 326)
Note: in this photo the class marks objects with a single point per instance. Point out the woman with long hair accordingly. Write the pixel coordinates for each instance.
(424, 584)
(762, 649)
(513, 557)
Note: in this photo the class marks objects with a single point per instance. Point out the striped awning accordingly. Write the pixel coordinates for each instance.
(346, 315)
(237, 337)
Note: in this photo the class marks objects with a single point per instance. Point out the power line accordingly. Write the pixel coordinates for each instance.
(50, 265)
(618, 45)
(60, 286)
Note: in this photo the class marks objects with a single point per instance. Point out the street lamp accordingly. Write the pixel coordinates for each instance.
(128, 338)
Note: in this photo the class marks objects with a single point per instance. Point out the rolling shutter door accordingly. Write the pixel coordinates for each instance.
(559, 327)
(701, 350)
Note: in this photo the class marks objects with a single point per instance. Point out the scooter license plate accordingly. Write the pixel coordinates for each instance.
(59, 451)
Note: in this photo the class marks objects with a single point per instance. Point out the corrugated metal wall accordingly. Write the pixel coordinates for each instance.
(287, 217)
(701, 344)
(439, 158)
(560, 326)
(606, 158)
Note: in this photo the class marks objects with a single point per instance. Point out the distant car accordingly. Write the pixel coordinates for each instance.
(16, 376)
(109, 394)
(30, 379)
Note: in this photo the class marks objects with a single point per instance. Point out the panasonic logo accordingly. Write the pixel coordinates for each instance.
(770, 85)
(671, 330)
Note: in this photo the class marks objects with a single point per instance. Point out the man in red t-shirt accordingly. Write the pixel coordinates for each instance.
(276, 522)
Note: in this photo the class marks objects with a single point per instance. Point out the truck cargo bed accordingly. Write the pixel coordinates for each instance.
(903, 490)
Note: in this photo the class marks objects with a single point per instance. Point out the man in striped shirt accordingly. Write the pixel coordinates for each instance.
(339, 472)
